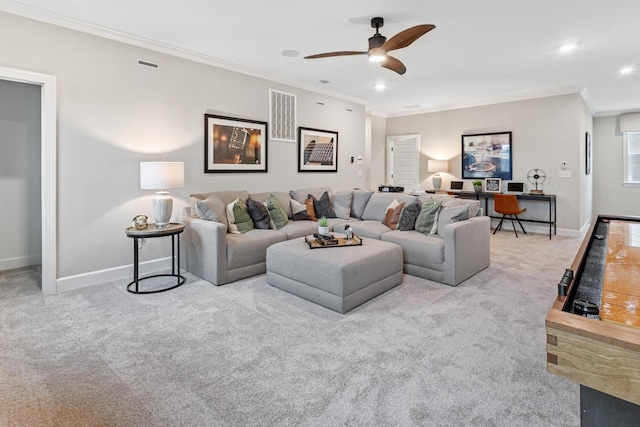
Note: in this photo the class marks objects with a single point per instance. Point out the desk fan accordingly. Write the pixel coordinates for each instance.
(536, 176)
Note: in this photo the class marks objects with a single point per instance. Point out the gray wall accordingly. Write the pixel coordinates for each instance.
(113, 113)
(546, 132)
(610, 197)
(20, 209)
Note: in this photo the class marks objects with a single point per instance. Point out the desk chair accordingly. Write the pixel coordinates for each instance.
(507, 204)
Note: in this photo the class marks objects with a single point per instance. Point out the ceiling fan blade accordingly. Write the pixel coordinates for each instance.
(329, 54)
(394, 65)
(406, 37)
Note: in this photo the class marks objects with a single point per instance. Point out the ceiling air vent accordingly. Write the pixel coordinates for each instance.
(148, 64)
(412, 107)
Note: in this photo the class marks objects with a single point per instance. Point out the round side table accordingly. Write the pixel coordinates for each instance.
(150, 232)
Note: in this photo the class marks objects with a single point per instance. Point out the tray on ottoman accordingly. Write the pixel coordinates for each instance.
(340, 279)
(331, 241)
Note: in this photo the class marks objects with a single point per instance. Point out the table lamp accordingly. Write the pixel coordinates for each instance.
(161, 176)
(437, 166)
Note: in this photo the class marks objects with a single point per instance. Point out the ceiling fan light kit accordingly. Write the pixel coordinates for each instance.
(379, 46)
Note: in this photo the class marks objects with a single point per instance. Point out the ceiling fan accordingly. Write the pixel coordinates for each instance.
(379, 46)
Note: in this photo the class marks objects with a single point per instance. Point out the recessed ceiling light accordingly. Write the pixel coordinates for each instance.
(567, 47)
(290, 53)
(381, 86)
(626, 70)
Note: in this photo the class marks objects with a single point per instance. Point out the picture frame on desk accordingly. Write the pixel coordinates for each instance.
(492, 185)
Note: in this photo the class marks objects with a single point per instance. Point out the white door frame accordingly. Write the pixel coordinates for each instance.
(48, 168)
(390, 140)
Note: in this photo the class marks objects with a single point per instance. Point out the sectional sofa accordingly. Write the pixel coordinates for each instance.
(456, 251)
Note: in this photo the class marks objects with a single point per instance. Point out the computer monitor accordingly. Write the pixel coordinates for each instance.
(515, 187)
(456, 185)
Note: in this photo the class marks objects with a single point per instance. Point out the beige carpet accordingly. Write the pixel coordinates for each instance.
(246, 354)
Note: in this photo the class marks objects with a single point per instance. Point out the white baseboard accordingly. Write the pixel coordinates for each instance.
(18, 262)
(78, 281)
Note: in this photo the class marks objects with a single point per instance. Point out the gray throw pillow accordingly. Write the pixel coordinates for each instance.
(299, 211)
(427, 221)
(408, 216)
(259, 214)
(322, 206)
(450, 215)
(212, 209)
(342, 204)
(359, 202)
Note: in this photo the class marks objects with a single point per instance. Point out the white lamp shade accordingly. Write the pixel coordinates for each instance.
(438, 165)
(161, 175)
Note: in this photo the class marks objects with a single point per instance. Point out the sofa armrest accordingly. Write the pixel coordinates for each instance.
(205, 244)
(467, 248)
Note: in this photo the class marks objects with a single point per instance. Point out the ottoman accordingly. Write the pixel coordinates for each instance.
(339, 278)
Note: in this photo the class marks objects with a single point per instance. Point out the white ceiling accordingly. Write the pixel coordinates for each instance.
(481, 52)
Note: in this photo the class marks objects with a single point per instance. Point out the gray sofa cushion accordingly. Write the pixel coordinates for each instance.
(342, 204)
(367, 228)
(283, 198)
(450, 215)
(259, 214)
(379, 202)
(419, 249)
(359, 202)
(427, 221)
(302, 194)
(212, 209)
(322, 206)
(250, 248)
(408, 216)
(299, 211)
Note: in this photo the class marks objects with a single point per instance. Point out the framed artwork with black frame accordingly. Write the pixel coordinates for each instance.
(234, 145)
(487, 155)
(317, 150)
(492, 185)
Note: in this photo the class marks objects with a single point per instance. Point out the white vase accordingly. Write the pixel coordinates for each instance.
(323, 231)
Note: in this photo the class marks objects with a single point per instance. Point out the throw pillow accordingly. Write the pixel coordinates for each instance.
(211, 209)
(450, 215)
(299, 211)
(322, 206)
(311, 212)
(407, 221)
(427, 220)
(342, 204)
(277, 213)
(259, 214)
(238, 219)
(392, 215)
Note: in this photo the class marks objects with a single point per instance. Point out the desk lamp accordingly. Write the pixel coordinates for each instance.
(437, 166)
(161, 176)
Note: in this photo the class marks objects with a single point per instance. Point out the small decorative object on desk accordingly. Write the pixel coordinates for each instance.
(348, 231)
(477, 186)
(140, 222)
(323, 226)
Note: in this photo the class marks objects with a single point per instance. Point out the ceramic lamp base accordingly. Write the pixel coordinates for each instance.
(162, 205)
(437, 182)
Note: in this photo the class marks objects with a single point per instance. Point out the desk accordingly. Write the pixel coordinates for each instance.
(152, 231)
(548, 198)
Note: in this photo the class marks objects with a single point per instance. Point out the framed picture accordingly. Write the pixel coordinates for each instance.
(487, 155)
(317, 150)
(587, 142)
(492, 185)
(234, 145)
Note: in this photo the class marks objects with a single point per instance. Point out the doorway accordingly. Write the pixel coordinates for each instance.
(47, 84)
(403, 161)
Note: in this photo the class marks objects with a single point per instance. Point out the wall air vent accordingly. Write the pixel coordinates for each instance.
(320, 103)
(148, 64)
(282, 111)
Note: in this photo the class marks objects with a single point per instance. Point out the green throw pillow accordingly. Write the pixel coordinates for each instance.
(238, 218)
(427, 221)
(277, 213)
